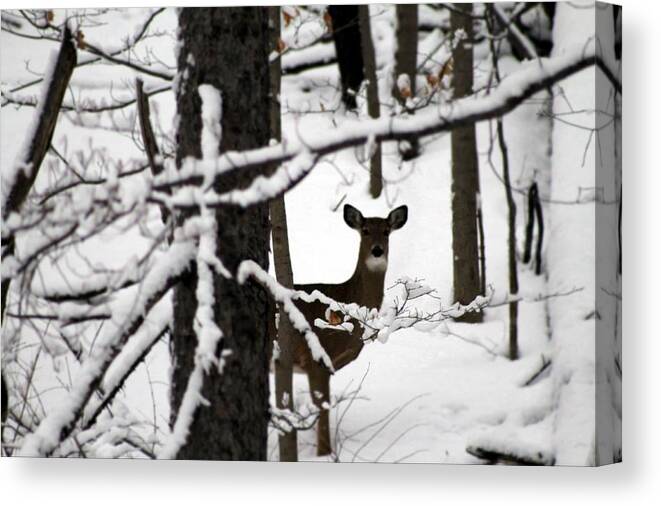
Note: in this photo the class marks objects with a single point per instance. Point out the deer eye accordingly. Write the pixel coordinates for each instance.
(366, 231)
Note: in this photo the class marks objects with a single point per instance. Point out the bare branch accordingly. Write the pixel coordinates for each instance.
(27, 165)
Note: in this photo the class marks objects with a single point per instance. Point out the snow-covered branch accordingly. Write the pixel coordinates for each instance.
(128, 316)
(18, 180)
(516, 35)
(513, 90)
(156, 325)
(208, 335)
(83, 106)
(250, 269)
(398, 314)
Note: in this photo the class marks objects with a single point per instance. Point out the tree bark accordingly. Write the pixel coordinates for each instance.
(406, 60)
(373, 105)
(284, 385)
(511, 247)
(406, 55)
(465, 177)
(346, 35)
(511, 208)
(148, 137)
(228, 49)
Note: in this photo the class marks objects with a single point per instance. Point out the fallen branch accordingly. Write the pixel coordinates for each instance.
(496, 456)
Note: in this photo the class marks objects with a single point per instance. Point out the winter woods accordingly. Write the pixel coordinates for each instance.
(175, 200)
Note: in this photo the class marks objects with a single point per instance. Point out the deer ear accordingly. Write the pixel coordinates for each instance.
(353, 217)
(397, 217)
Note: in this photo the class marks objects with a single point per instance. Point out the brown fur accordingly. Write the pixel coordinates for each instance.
(364, 287)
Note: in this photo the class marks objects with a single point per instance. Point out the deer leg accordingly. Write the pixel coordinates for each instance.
(319, 379)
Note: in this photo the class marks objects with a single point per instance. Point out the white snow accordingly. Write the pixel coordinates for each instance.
(212, 109)
(429, 388)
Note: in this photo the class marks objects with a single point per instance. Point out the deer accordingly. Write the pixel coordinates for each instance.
(366, 288)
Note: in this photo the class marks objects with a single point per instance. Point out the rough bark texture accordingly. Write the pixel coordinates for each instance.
(373, 105)
(346, 34)
(465, 177)
(284, 384)
(227, 48)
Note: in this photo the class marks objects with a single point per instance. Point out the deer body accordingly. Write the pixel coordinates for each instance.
(365, 288)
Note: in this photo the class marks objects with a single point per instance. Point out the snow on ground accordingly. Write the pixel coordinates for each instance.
(444, 389)
(420, 397)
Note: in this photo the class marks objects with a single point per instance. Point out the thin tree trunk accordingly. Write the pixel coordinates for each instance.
(407, 47)
(346, 35)
(511, 211)
(540, 236)
(227, 48)
(483, 257)
(284, 387)
(406, 59)
(373, 106)
(465, 177)
(511, 247)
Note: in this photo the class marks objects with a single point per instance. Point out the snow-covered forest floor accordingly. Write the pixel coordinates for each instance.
(420, 396)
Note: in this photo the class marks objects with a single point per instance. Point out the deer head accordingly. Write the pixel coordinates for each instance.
(374, 235)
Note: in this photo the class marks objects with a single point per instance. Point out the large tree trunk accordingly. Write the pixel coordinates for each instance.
(582, 250)
(465, 177)
(228, 49)
(346, 35)
(287, 334)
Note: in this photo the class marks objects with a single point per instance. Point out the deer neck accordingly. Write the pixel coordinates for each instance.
(366, 286)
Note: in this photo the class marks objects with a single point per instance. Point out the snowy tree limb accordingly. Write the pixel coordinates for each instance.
(208, 336)
(515, 89)
(516, 36)
(284, 296)
(87, 106)
(18, 180)
(127, 362)
(128, 316)
(130, 44)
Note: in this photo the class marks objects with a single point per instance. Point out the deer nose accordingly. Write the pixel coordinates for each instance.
(377, 251)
